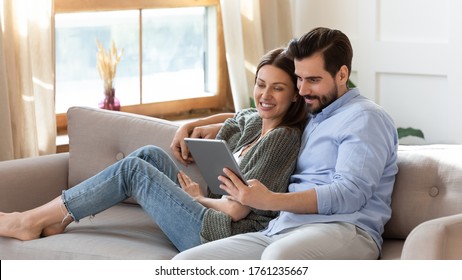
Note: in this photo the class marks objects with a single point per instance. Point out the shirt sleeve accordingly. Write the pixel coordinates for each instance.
(364, 149)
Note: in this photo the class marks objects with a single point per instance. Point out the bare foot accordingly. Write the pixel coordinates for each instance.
(17, 225)
(53, 229)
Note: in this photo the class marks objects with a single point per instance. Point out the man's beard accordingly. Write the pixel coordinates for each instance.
(324, 101)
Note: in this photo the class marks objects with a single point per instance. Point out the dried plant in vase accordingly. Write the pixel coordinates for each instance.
(106, 62)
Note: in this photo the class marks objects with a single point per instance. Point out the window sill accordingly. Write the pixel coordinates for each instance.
(62, 143)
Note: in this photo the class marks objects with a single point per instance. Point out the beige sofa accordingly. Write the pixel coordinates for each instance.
(427, 200)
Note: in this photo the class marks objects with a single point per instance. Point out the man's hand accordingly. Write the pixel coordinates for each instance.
(202, 128)
(230, 207)
(180, 149)
(258, 196)
(207, 131)
(255, 194)
(178, 146)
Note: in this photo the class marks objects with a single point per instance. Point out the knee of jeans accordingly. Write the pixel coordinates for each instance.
(151, 151)
(145, 149)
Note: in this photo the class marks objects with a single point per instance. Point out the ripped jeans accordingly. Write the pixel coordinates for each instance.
(149, 176)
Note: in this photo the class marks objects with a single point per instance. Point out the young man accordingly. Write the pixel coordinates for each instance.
(340, 193)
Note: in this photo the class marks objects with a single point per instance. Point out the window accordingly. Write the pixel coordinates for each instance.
(173, 55)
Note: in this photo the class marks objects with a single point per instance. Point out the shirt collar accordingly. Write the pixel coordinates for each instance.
(342, 100)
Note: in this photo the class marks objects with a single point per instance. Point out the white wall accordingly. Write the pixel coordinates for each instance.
(407, 57)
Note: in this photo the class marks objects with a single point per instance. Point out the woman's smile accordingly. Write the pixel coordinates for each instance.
(266, 106)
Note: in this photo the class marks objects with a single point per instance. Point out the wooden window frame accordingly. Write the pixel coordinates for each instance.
(177, 109)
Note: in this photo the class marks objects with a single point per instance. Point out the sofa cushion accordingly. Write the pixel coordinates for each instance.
(391, 249)
(124, 231)
(98, 138)
(428, 186)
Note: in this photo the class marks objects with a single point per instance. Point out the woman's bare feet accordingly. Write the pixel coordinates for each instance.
(57, 228)
(48, 219)
(18, 225)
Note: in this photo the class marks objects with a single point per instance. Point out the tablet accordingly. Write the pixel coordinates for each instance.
(211, 156)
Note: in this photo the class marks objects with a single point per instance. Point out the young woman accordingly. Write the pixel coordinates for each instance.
(265, 140)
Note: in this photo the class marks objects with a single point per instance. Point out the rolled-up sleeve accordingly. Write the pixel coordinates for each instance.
(361, 158)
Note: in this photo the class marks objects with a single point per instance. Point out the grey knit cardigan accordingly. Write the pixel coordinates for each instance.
(271, 160)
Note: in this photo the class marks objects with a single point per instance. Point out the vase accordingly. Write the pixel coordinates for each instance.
(110, 102)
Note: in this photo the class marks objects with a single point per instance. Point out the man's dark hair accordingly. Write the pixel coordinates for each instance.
(333, 45)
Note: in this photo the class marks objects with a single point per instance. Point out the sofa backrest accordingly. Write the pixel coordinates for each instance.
(99, 138)
(428, 186)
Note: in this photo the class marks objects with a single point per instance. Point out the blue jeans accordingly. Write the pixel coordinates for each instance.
(149, 176)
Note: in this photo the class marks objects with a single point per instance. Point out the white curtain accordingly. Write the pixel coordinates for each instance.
(251, 28)
(27, 114)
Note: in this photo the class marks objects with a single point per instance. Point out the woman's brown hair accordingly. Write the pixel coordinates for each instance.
(296, 115)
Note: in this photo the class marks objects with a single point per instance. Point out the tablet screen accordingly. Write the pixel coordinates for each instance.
(211, 156)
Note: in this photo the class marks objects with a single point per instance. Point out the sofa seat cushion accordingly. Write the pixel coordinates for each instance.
(392, 249)
(122, 232)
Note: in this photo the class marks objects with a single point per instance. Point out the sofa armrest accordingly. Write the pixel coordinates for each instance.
(437, 239)
(30, 182)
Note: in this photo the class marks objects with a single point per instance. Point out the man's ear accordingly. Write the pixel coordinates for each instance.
(343, 74)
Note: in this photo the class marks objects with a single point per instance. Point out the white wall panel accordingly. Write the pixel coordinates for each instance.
(407, 57)
(413, 102)
(309, 14)
(413, 20)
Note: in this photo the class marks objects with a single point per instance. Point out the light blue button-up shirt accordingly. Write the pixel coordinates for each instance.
(348, 155)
